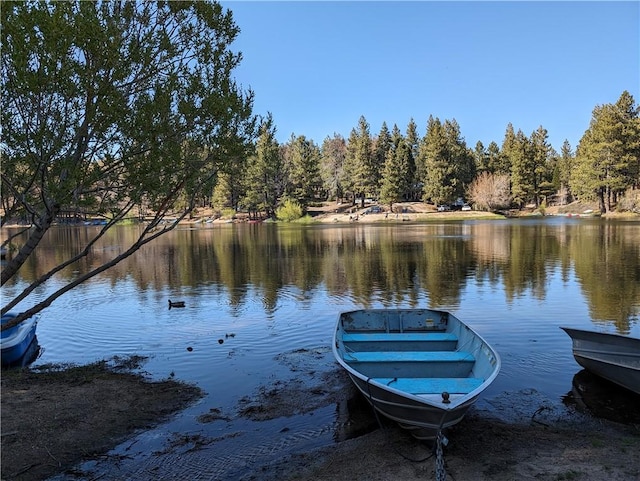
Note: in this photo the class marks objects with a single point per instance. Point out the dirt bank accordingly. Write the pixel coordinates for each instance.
(53, 420)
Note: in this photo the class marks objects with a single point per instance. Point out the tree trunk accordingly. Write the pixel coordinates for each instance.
(34, 239)
(601, 201)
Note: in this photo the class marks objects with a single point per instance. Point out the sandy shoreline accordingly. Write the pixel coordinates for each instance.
(52, 421)
(480, 448)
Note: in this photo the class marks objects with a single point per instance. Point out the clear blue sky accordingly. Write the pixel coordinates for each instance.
(318, 66)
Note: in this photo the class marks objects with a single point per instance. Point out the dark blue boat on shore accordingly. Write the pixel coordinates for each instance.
(17, 341)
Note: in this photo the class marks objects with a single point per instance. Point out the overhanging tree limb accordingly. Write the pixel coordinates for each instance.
(111, 105)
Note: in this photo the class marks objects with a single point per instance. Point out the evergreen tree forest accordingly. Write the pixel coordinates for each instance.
(439, 167)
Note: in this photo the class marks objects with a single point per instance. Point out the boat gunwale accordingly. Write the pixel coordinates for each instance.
(603, 335)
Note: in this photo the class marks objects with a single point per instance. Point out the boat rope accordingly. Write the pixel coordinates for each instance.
(384, 429)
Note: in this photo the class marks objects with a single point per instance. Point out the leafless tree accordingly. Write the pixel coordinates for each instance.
(490, 192)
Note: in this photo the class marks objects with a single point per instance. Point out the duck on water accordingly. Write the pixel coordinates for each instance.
(176, 304)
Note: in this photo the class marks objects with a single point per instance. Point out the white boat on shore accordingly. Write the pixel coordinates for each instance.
(420, 367)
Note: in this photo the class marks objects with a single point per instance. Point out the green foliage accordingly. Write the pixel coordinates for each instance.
(265, 175)
(111, 105)
(413, 142)
(562, 167)
(541, 171)
(449, 164)
(608, 156)
(521, 168)
(496, 162)
(398, 170)
(360, 173)
(303, 162)
(481, 158)
(227, 213)
(222, 192)
(331, 165)
(289, 211)
(508, 150)
(383, 145)
(305, 220)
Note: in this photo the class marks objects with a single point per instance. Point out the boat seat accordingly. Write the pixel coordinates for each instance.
(411, 356)
(459, 385)
(400, 336)
(400, 341)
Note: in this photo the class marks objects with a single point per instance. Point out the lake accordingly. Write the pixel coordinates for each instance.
(262, 299)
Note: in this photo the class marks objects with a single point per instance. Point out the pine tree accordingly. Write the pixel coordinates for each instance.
(331, 164)
(348, 177)
(360, 173)
(264, 180)
(413, 141)
(434, 154)
(563, 168)
(221, 196)
(396, 177)
(508, 150)
(607, 157)
(304, 170)
(464, 169)
(521, 160)
(412, 137)
(481, 158)
(541, 168)
(382, 145)
(495, 160)
(630, 118)
(449, 163)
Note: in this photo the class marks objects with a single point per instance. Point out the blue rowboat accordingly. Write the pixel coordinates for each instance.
(611, 356)
(16, 341)
(422, 368)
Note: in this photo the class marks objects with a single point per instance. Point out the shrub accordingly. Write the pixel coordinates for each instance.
(289, 211)
(228, 213)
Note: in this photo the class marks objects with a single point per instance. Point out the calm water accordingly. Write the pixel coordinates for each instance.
(271, 292)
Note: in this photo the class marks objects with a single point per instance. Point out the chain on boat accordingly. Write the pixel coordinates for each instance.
(441, 471)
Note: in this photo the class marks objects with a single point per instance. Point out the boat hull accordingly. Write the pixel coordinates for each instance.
(419, 367)
(422, 420)
(16, 341)
(610, 356)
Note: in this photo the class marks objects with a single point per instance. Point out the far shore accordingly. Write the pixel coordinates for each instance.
(337, 213)
(340, 213)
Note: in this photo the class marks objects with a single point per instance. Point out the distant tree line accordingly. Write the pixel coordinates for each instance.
(439, 167)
